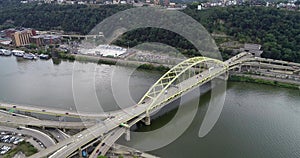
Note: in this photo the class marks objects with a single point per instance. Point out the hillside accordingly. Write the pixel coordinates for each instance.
(277, 30)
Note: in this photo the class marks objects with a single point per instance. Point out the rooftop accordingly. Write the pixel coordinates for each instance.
(249, 46)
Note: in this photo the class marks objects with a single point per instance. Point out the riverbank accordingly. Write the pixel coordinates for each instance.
(262, 80)
(122, 62)
(164, 68)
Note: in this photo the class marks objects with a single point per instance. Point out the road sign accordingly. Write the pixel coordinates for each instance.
(11, 110)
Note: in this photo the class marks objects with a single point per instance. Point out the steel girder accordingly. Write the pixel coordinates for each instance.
(172, 75)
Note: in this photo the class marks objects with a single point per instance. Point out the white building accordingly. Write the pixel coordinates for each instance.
(104, 50)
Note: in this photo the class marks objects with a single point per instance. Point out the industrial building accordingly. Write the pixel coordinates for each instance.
(40, 40)
(21, 37)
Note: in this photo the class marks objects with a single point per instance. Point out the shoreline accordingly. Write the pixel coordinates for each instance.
(122, 62)
(262, 80)
(164, 68)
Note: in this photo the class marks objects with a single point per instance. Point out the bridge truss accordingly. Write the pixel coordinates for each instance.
(184, 70)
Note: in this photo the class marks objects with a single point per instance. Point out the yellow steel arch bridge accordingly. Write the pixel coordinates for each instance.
(192, 67)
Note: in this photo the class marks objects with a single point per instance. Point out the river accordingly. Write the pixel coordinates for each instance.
(257, 120)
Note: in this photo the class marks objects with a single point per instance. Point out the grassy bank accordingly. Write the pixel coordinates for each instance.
(262, 81)
(24, 147)
(153, 67)
(113, 61)
(66, 56)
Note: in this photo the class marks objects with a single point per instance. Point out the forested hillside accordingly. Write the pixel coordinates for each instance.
(70, 18)
(277, 30)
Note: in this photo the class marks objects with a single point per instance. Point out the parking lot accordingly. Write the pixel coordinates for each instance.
(11, 139)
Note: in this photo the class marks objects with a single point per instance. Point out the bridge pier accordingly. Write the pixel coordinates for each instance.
(127, 135)
(80, 152)
(147, 120)
(226, 75)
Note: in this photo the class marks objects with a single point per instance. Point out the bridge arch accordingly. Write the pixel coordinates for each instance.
(187, 68)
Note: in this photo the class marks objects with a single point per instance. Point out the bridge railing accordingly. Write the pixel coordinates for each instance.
(190, 67)
(185, 90)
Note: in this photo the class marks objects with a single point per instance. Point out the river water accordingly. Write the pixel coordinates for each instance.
(257, 120)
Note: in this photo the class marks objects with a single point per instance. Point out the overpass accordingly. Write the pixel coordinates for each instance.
(112, 137)
(50, 111)
(82, 37)
(17, 120)
(268, 69)
(244, 58)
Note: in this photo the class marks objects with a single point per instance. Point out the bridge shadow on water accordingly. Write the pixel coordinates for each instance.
(167, 113)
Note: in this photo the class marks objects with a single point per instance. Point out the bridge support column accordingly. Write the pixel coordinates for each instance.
(127, 135)
(147, 120)
(226, 75)
(80, 152)
(240, 68)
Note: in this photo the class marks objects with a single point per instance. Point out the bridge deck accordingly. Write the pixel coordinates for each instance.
(50, 111)
(19, 120)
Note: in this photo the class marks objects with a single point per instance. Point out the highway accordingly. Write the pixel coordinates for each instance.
(58, 134)
(270, 63)
(112, 137)
(107, 142)
(73, 143)
(50, 111)
(19, 120)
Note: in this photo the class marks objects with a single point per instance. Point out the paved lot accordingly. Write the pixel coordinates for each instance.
(39, 137)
